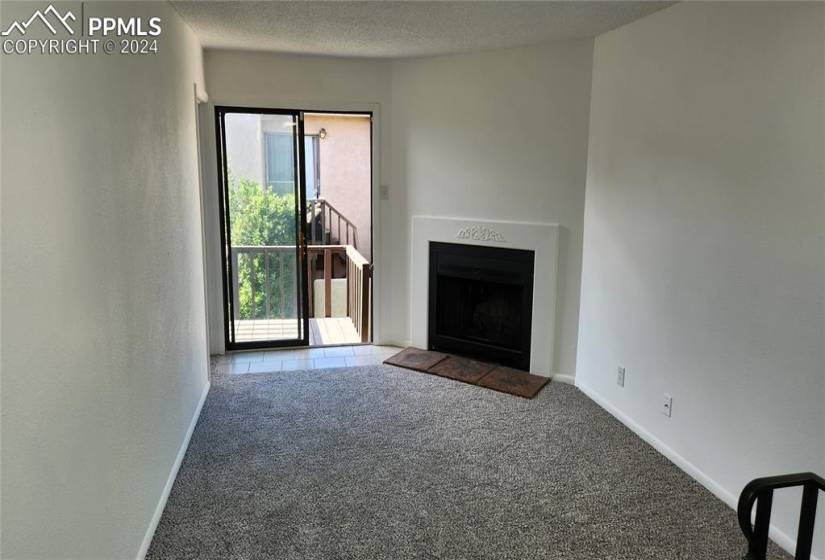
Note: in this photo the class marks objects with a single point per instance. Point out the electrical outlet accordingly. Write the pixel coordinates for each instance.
(620, 377)
(667, 405)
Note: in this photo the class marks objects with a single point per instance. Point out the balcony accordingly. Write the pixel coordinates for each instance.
(338, 286)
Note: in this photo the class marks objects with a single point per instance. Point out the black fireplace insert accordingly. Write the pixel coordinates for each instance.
(480, 302)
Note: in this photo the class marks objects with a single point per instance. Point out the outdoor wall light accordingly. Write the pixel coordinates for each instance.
(322, 133)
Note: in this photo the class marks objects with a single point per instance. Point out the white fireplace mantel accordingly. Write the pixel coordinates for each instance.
(541, 238)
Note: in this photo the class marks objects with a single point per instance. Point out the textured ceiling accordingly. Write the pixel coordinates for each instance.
(401, 29)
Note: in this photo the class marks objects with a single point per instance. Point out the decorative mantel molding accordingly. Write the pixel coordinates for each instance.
(480, 233)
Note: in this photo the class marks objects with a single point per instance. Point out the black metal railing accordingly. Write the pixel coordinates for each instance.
(760, 492)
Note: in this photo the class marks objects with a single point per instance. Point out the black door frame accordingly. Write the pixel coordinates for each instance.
(371, 115)
(226, 239)
(301, 246)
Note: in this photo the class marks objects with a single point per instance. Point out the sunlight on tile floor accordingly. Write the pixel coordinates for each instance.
(259, 361)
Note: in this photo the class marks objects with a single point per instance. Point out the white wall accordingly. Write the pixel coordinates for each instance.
(304, 82)
(498, 135)
(704, 247)
(704, 257)
(104, 346)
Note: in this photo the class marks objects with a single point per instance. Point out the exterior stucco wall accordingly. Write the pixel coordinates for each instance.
(345, 169)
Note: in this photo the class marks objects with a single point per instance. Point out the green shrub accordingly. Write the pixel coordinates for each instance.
(262, 217)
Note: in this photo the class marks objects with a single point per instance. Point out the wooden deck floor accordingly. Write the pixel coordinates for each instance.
(322, 332)
(332, 331)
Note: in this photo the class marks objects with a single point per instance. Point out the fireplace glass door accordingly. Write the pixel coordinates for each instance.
(480, 302)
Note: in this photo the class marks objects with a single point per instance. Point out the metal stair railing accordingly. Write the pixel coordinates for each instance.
(321, 213)
(760, 492)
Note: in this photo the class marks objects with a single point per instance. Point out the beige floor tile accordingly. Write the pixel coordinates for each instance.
(239, 357)
(265, 366)
(366, 350)
(338, 351)
(296, 365)
(321, 363)
(286, 354)
(368, 360)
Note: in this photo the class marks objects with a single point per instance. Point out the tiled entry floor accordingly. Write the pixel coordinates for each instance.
(300, 359)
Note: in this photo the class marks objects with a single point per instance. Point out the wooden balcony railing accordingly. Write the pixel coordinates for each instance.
(359, 286)
(277, 263)
(269, 259)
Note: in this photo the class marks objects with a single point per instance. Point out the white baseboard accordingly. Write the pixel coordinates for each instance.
(779, 537)
(173, 473)
(563, 378)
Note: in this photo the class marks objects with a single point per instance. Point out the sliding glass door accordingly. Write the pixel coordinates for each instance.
(262, 227)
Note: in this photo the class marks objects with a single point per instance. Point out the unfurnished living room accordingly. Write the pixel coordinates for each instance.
(412, 280)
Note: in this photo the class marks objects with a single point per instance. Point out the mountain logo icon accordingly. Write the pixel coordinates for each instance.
(22, 27)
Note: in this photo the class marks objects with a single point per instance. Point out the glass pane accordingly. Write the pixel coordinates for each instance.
(311, 166)
(338, 164)
(262, 195)
(280, 157)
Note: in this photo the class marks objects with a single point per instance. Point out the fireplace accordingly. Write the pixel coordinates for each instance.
(480, 302)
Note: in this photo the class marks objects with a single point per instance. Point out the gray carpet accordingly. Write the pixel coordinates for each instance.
(383, 463)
